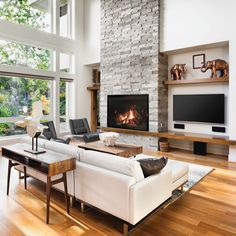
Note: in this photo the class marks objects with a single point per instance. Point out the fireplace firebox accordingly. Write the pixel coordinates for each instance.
(128, 111)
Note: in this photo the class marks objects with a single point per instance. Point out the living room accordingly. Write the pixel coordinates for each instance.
(135, 74)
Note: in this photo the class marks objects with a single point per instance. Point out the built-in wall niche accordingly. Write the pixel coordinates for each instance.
(187, 58)
(199, 86)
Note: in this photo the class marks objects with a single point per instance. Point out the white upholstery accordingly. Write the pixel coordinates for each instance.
(118, 164)
(64, 148)
(104, 189)
(148, 194)
(27, 139)
(179, 172)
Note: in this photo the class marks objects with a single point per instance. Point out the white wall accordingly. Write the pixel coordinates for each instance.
(91, 31)
(189, 24)
(221, 88)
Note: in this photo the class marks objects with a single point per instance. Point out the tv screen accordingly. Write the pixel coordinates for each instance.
(208, 108)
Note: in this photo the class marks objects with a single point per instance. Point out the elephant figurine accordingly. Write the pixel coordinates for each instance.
(177, 71)
(216, 65)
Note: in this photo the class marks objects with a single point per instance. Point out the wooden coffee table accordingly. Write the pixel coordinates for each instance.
(120, 149)
(49, 163)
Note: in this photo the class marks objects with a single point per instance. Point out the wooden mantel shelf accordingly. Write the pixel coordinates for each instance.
(196, 81)
(195, 137)
(92, 88)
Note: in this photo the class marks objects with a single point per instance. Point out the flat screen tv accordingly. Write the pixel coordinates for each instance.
(207, 108)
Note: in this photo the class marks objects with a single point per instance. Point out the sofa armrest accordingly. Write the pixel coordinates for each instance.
(148, 194)
(104, 189)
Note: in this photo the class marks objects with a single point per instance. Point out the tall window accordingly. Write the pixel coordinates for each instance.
(16, 97)
(33, 13)
(65, 87)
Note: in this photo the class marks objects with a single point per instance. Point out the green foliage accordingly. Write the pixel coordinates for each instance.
(4, 128)
(62, 98)
(20, 12)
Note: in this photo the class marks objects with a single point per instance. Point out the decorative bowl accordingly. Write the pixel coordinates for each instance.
(109, 138)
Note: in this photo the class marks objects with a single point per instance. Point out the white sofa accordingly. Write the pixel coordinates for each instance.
(114, 184)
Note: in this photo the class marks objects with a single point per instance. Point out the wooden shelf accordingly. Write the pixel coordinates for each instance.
(195, 137)
(197, 81)
(92, 88)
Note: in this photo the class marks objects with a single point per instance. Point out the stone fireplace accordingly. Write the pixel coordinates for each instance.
(131, 63)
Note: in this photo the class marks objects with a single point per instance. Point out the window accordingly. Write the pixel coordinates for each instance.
(66, 62)
(12, 53)
(65, 87)
(33, 13)
(16, 97)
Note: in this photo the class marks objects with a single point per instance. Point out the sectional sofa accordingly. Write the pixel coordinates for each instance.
(115, 184)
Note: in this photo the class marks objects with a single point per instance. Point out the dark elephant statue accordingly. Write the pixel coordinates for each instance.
(216, 65)
(177, 71)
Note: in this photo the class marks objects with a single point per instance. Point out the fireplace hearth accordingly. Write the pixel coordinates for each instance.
(128, 112)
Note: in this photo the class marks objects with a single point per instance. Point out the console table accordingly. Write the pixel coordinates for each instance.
(49, 163)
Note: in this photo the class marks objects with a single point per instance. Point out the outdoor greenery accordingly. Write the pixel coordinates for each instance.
(18, 94)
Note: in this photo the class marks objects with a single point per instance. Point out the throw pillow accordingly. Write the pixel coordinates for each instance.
(152, 166)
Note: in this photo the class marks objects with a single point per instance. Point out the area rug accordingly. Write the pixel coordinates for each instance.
(196, 174)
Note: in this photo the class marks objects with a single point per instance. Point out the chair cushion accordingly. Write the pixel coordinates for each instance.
(153, 165)
(91, 137)
(114, 163)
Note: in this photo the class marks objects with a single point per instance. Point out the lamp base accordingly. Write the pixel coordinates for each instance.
(34, 151)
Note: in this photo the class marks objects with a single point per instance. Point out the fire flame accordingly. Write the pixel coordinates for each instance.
(129, 118)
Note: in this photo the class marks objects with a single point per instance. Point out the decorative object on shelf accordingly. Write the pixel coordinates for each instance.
(177, 71)
(96, 77)
(198, 61)
(109, 138)
(33, 126)
(216, 65)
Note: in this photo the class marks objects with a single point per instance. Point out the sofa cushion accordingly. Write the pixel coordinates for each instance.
(65, 149)
(178, 169)
(118, 164)
(151, 166)
(27, 139)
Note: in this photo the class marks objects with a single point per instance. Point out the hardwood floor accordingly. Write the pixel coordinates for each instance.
(209, 208)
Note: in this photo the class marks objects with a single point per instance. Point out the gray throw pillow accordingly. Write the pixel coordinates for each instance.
(151, 166)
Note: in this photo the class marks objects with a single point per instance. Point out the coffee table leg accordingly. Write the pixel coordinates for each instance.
(48, 193)
(66, 193)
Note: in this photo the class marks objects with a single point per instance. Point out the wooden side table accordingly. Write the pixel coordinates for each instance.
(49, 163)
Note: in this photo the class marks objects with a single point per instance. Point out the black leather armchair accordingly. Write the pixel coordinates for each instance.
(80, 129)
(50, 133)
(79, 126)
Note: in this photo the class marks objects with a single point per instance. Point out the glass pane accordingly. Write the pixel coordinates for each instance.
(33, 13)
(9, 128)
(64, 106)
(24, 55)
(65, 62)
(64, 19)
(18, 94)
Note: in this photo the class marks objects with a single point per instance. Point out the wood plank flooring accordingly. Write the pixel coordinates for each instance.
(209, 208)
